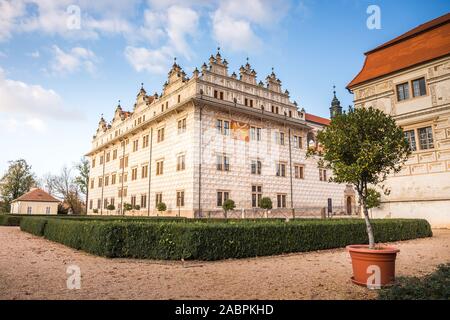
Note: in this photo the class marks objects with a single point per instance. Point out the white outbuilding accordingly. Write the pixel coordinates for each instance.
(36, 201)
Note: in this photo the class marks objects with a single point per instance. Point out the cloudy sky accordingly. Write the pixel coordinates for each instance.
(58, 73)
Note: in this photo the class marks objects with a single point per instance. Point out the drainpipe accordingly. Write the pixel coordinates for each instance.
(290, 169)
(123, 176)
(103, 182)
(200, 165)
(150, 170)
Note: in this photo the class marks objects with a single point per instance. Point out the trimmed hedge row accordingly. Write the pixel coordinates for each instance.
(8, 220)
(169, 240)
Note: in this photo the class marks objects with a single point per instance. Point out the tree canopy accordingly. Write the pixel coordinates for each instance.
(17, 180)
(362, 147)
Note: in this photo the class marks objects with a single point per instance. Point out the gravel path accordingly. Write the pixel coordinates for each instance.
(34, 268)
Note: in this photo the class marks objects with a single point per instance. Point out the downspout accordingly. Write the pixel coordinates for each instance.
(200, 165)
(103, 182)
(290, 169)
(123, 177)
(150, 170)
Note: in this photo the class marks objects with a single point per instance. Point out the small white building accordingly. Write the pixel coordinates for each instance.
(36, 201)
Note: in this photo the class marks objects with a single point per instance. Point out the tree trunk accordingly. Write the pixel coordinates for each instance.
(368, 227)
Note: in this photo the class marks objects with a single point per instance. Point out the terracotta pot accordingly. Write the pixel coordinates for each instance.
(373, 268)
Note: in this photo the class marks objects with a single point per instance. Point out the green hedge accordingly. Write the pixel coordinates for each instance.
(33, 225)
(8, 220)
(172, 240)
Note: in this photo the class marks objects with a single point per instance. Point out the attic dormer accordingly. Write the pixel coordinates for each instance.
(273, 83)
(217, 65)
(176, 78)
(247, 74)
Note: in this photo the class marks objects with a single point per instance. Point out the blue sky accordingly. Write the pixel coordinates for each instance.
(56, 78)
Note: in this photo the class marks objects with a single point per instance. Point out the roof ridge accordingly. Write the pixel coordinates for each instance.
(421, 28)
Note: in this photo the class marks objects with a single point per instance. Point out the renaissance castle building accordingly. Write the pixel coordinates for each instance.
(209, 138)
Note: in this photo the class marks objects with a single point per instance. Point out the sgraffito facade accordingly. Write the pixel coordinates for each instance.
(209, 138)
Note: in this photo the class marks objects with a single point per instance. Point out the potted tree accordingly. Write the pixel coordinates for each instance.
(362, 147)
(266, 204)
(227, 206)
(110, 207)
(161, 207)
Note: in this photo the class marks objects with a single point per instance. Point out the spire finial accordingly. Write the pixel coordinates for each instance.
(218, 49)
(119, 102)
(334, 90)
(142, 85)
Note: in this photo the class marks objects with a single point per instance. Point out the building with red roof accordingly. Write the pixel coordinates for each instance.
(408, 78)
(35, 201)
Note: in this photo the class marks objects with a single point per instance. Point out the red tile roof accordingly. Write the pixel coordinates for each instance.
(424, 43)
(319, 120)
(36, 194)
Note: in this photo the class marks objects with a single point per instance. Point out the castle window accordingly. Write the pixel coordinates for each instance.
(106, 181)
(419, 88)
(256, 167)
(298, 142)
(113, 179)
(135, 145)
(403, 91)
(281, 200)
(108, 156)
(299, 171)
(255, 133)
(145, 140)
(426, 138)
(256, 195)
(143, 201)
(221, 95)
(281, 169)
(144, 171)
(133, 174)
(216, 94)
(410, 136)
(159, 167)
(222, 162)
(322, 174)
(222, 196)
(160, 135)
(158, 198)
(180, 198)
(133, 201)
(223, 127)
(181, 162)
(179, 98)
(182, 126)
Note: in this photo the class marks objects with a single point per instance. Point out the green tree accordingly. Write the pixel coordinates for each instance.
(17, 180)
(362, 147)
(82, 178)
(227, 206)
(161, 206)
(266, 204)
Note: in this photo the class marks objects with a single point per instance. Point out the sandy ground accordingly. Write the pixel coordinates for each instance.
(34, 268)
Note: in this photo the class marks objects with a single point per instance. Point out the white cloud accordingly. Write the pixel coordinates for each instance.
(35, 54)
(143, 59)
(10, 11)
(32, 101)
(51, 17)
(170, 30)
(74, 60)
(235, 21)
